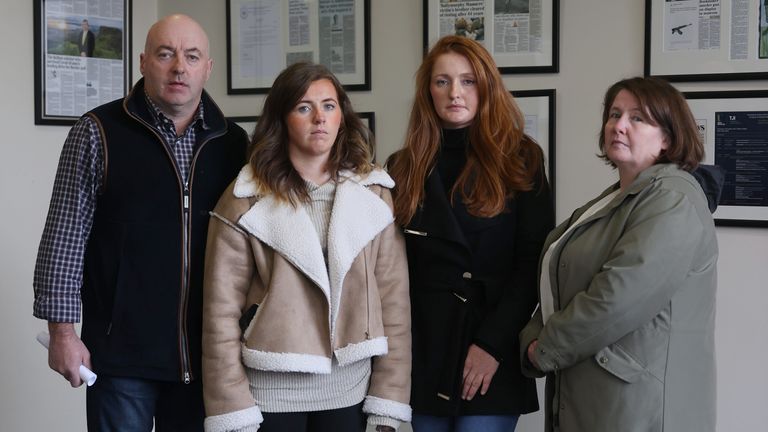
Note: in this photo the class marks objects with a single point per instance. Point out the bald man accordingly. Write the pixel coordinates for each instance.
(125, 237)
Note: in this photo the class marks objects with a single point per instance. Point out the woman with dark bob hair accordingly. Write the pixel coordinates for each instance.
(625, 327)
(475, 205)
(306, 312)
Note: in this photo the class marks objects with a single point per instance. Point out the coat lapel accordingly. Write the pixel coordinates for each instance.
(286, 229)
(290, 232)
(357, 217)
(436, 217)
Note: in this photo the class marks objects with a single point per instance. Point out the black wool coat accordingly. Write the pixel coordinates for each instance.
(473, 280)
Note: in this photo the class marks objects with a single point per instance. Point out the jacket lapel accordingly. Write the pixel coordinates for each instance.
(357, 217)
(436, 217)
(290, 232)
(286, 229)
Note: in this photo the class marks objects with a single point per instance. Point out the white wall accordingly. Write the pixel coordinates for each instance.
(600, 42)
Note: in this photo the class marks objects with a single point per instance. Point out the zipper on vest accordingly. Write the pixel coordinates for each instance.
(185, 289)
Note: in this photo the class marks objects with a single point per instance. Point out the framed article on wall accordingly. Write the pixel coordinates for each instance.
(706, 40)
(82, 56)
(538, 107)
(521, 35)
(264, 37)
(734, 128)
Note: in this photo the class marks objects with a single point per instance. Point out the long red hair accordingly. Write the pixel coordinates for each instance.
(501, 160)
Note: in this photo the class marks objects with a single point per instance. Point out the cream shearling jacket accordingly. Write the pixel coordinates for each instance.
(265, 252)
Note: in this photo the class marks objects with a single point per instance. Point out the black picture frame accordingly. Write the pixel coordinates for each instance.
(734, 128)
(68, 83)
(512, 58)
(538, 107)
(369, 118)
(699, 45)
(253, 68)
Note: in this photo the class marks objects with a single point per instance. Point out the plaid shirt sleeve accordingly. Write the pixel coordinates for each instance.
(59, 266)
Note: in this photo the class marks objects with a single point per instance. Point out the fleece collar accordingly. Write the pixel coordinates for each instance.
(358, 215)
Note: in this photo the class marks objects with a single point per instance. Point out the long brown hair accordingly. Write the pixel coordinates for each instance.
(668, 110)
(268, 149)
(501, 160)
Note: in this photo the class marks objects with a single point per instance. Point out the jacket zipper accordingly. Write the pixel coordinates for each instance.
(186, 373)
(367, 296)
(186, 248)
(184, 304)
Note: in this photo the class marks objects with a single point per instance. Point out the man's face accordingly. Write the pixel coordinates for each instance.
(84, 26)
(176, 65)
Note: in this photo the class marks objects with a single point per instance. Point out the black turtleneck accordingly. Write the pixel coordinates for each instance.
(452, 156)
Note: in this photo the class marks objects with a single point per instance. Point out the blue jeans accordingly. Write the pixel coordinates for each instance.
(133, 405)
(474, 423)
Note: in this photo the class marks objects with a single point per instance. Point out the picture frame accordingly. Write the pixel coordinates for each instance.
(522, 50)
(248, 123)
(734, 128)
(264, 37)
(538, 107)
(369, 119)
(82, 57)
(706, 40)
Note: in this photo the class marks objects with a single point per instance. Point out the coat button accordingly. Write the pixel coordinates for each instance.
(467, 275)
(603, 360)
(562, 265)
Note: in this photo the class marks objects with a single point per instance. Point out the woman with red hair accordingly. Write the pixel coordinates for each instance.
(473, 199)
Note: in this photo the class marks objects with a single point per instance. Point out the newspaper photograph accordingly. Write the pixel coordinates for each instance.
(463, 18)
(83, 55)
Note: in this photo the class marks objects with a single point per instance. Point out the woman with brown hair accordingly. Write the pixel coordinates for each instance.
(625, 332)
(306, 310)
(473, 199)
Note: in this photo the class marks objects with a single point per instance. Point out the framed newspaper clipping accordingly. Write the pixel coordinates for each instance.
(538, 107)
(82, 56)
(265, 36)
(521, 35)
(734, 128)
(706, 40)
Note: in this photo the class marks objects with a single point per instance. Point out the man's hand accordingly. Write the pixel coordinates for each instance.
(479, 369)
(67, 352)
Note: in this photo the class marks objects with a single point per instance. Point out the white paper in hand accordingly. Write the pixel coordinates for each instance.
(86, 374)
